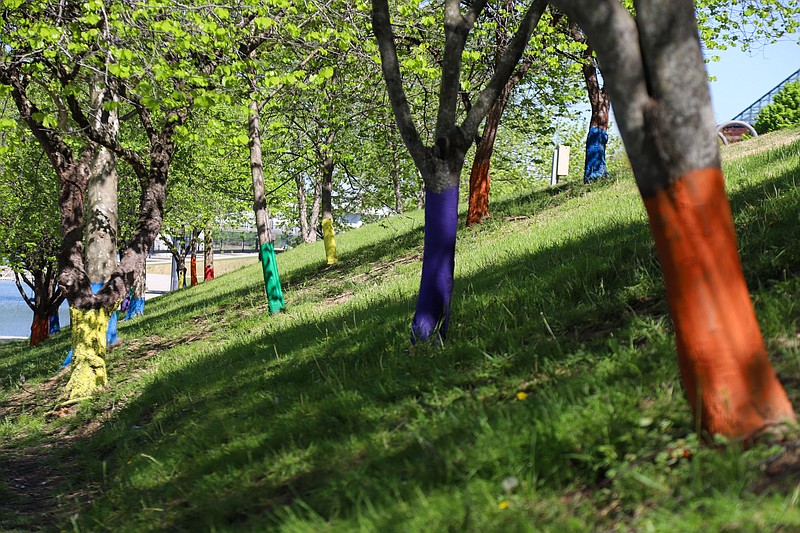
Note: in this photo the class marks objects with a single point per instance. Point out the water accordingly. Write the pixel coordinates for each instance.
(16, 316)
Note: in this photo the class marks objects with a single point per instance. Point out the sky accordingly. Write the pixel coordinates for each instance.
(744, 77)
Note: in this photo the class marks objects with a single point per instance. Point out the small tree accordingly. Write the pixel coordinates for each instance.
(441, 164)
(29, 228)
(783, 112)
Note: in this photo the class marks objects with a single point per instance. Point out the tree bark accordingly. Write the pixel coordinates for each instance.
(208, 254)
(103, 216)
(45, 302)
(327, 207)
(396, 183)
(193, 260)
(653, 68)
(266, 246)
(479, 181)
(138, 291)
(302, 214)
(597, 137)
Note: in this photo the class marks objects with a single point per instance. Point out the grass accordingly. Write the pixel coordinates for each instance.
(555, 404)
(222, 265)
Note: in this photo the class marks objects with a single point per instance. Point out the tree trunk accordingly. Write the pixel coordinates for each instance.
(208, 254)
(266, 247)
(315, 209)
(40, 330)
(653, 67)
(432, 313)
(479, 177)
(396, 184)
(193, 253)
(102, 210)
(89, 329)
(45, 303)
(327, 209)
(55, 324)
(138, 291)
(301, 209)
(479, 182)
(193, 268)
(597, 138)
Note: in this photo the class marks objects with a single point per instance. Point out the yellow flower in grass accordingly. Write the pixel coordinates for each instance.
(503, 505)
(521, 396)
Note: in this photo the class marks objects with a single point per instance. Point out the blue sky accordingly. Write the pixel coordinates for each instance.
(744, 77)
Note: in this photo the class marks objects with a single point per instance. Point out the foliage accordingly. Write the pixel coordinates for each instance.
(555, 406)
(29, 225)
(783, 112)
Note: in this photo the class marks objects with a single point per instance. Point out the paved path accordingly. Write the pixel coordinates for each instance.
(157, 284)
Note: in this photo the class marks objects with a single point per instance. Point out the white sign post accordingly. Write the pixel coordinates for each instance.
(560, 163)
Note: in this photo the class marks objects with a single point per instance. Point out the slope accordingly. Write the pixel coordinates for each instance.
(554, 405)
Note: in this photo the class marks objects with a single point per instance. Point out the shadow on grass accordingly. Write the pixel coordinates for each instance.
(239, 435)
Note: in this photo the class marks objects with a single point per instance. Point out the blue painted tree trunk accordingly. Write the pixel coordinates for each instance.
(595, 167)
(438, 264)
(135, 308)
(55, 323)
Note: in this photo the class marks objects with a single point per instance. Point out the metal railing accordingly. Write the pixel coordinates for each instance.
(749, 114)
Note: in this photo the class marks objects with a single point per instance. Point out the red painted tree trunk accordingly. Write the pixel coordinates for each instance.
(208, 255)
(40, 329)
(479, 180)
(479, 177)
(194, 268)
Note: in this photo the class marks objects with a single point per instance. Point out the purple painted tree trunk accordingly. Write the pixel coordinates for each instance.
(438, 264)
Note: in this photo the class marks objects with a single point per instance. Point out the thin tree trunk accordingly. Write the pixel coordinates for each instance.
(138, 291)
(266, 245)
(301, 208)
(208, 254)
(45, 302)
(479, 182)
(315, 212)
(479, 177)
(597, 137)
(396, 184)
(193, 260)
(327, 207)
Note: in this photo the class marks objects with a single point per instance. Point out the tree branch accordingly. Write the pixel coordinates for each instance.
(390, 65)
(504, 70)
(105, 139)
(22, 291)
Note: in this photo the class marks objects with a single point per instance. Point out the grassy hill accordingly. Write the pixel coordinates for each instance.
(555, 404)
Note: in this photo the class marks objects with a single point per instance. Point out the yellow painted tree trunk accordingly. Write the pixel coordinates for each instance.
(89, 346)
(329, 240)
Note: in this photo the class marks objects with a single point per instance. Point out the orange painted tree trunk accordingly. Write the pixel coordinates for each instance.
(654, 72)
(479, 180)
